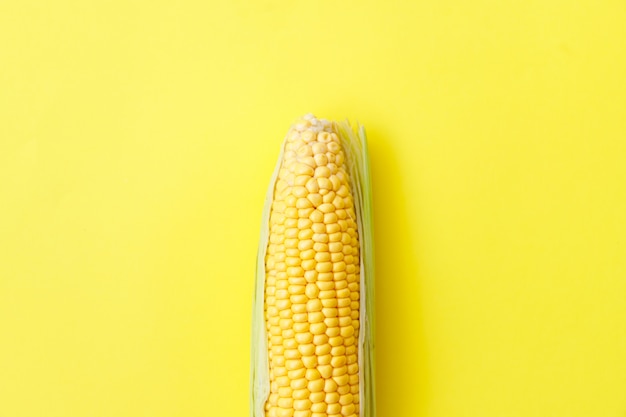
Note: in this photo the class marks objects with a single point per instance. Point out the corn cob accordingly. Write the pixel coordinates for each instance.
(312, 281)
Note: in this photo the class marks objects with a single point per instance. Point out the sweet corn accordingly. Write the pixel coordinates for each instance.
(312, 350)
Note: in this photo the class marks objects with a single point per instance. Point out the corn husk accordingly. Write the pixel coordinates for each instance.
(354, 143)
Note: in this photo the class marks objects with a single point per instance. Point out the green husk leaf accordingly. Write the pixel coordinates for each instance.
(354, 143)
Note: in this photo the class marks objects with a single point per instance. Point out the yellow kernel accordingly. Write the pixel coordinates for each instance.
(345, 321)
(347, 410)
(311, 290)
(308, 265)
(309, 361)
(285, 391)
(353, 368)
(312, 374)
(303, 169)
(343, 293)
(330, 385)
(301, 180)
(301, 393)
(323, 349)
(326, 208)
(333, 237)
(343, 302)
(298, 308)
(293, 364)
(304, 413)
(335, 246)
(296, 289)
(307, 254)
(304, 404)
(316, 385)
(332, 397)
(299, 318)
(292, 354)
(319, 148)
(295, 271)
(315, 199)
(317, 397)
(296, 373)
(347, 331)
(322, 172)
(324, 359)
(327, 294)
(308, 160)
(298, 299)
(297, 384)
(325, 371)
(320, 237)
(335, 341)
(310, 276)
(305, 234)
(338, 202)
(322, 256)
(314, 305)
(304, 338)
(341, 284)
(305, 244)
(342, 380)
(344, 311)
(292, 213)
(304, 213)
(324, 183)
(301, 327)
(320, 159)
(354, 380)
(332, 322)
(285, 323)
(285, 402)
(330, 312)
(330, 218)
(312, 186)
(284, 412)
(308, 136)
(345, 399)
(319, 328)
(320, 247)
(320, 339)
(316, 317)
(319, 407)
(333, 331)
(338, 361)
(324, 137)
(318, 227)
(328, 198)
(324, 267)
(325, 285)
(325, 277)
(282, 381)
(329, 302)
(317, 216)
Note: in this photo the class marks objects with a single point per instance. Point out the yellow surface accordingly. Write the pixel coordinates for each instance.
(137, 139)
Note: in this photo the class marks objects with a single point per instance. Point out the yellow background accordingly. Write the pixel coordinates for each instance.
(137, 139)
